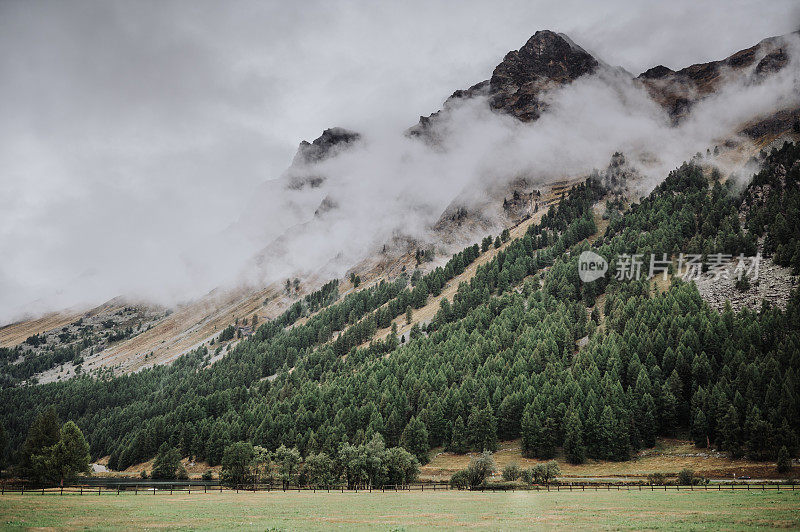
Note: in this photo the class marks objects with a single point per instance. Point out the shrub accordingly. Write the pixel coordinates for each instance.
(527, 476)
(545, 473)
(743, 284)
(460, 480)
(685, 477)
(657, 479)
(479, 469)
(208, 475)
(511, 472)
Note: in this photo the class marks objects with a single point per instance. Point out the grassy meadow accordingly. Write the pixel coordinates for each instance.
(405, 511)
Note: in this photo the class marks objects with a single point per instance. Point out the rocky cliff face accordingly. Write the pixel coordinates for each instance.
(548, 60)
(325, 145)
(678, 91)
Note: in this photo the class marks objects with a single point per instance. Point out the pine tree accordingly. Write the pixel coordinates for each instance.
(573, 440)
(458, 440)
(784, 460)
(700, 429)
(415, 439)
(482, 429)
(167, 462)
(531, 432)
(669, 421)
(44, 433)
(730, 433)
(3, 445)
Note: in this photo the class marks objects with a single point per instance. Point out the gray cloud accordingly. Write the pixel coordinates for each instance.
(133, 134)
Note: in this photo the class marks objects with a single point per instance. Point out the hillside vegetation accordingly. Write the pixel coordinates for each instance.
(500, 360)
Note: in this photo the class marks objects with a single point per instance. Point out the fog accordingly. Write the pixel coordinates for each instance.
(143, 145)
(389, 184)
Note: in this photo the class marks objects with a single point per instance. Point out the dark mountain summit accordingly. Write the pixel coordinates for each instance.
(324, 145)
(550, 60)
(678, 91)
(547, 60)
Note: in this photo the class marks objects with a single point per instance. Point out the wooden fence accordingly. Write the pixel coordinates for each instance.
(137, 488)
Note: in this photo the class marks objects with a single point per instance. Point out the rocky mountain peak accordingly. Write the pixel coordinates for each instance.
(678, 91)
(324, 145)
(547, 60)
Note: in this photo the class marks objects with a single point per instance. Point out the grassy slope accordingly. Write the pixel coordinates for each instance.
(407, 511)
(669, 456)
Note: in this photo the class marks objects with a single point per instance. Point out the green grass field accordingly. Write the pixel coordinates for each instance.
(406, 511)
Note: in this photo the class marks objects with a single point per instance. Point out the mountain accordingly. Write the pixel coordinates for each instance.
(548, 60)
(420, 314)
(520, 87)
(678, 91)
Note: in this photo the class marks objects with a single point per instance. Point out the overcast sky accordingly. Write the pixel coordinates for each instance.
(129, 130)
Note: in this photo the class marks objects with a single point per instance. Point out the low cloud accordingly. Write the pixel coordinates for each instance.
(133, 137)
(391, 184)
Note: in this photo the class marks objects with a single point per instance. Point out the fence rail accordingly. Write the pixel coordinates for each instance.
(189, 488)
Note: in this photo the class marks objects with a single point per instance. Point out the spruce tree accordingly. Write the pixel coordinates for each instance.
(458, 440)
(573, 440)
(415, 439)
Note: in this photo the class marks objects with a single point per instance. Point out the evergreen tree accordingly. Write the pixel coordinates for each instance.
(482, 429)
(415, 439)
(459, 443)
(784, 460)
(3, 445)
(167, 463)
(573, 440)
(43, 433)
(700, 429)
